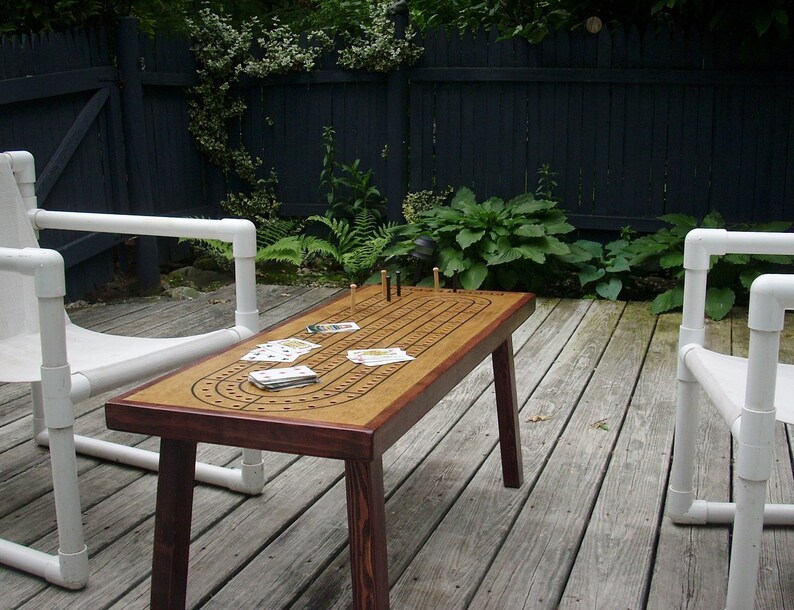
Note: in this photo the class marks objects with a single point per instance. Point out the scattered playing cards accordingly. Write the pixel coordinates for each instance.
(281, 350)
(281, 379)
(341, 327)
(378, 356)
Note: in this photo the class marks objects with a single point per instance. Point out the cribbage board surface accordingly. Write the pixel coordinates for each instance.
(433, 326)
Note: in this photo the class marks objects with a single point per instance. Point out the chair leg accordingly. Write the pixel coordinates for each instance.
(746, 547)
(681, 493)
(72, 550)
(69, 568)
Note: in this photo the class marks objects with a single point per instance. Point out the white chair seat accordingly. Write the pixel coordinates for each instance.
(724, 379)
(107, 360)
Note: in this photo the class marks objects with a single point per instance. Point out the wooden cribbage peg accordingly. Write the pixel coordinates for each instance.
(398, 278)
(383, 282)
(352, 298)
(436, 282)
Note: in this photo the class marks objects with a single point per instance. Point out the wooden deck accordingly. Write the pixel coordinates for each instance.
(586, 530)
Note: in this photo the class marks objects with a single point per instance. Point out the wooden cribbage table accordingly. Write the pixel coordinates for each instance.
(354, 413)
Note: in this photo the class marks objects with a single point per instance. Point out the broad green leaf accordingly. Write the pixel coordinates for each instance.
(736, 259)
(558, 228)
(530, 230)
(494, 204)
(532, 254)
(748, 276)
(618, 265)
(617, 246)
(595, 249)
(578, 254)
(505, 255)
(714, 220)
(453, 260)
(719, 302)
(521, 199)
(610, 290)
(531, 207)
(669, 299)
(669, 261)
(487, 245)
(551, 245)
(589, 273)
(468, 237)
(474, 276)
(680, 220)
(464, 195)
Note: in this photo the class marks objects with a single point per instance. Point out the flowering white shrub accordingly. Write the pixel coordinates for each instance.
(377, 49)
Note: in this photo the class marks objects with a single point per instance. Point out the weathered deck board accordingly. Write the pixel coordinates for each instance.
(586, 529)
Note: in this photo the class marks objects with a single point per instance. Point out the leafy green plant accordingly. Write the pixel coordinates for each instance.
(605, 265)
(730, 276)
(347, 188)
(354, 246)
(505, 243)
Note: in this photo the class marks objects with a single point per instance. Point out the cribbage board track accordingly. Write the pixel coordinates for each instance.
(416, 321)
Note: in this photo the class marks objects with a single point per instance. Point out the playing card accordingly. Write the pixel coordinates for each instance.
(333, 328)
(262, 355)
(378, 356)
(293, 343)
(291, 373)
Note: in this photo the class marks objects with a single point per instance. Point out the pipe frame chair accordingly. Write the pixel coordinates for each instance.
(59, 387)
(753, 413)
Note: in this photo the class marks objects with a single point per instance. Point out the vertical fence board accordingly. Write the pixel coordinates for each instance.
(447, 115)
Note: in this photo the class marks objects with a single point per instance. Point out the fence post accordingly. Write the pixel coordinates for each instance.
(136, 151)
(397, 128)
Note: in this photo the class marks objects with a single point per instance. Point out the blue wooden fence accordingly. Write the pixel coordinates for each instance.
(635, 124)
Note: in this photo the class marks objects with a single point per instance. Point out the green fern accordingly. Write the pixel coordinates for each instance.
(286, 250)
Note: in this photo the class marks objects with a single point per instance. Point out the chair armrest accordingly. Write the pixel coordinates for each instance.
(700, 245)
(45, 265)
(241, 233)
(771, 295)
(47, 268)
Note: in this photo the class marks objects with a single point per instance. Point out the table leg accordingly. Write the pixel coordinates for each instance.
(366, 518)
(504, 377)
(172, 524)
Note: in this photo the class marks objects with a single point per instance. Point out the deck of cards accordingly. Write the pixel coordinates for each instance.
(378, 356)
(339, 327)
(281, 379)
(281, 350)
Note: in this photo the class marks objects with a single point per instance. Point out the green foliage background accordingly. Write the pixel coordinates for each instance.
(757, 28)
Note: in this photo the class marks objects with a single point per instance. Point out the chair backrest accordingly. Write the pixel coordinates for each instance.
(18, 306)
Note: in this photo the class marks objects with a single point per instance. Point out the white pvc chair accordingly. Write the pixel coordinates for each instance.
(750, 394)
(66, 364)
